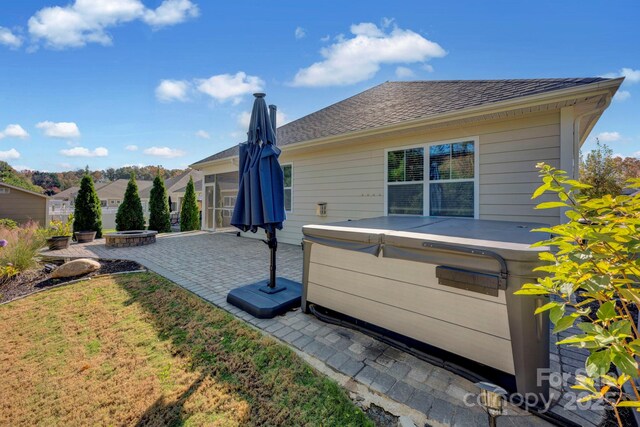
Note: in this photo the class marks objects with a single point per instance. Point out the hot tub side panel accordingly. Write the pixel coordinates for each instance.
(405, 297)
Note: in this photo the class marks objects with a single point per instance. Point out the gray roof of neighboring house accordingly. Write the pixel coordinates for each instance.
(196, 184)
(175, 183)
(73, 191)
(66, 194)
(116, 189)
(396, 102)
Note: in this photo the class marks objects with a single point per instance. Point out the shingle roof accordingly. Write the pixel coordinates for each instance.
(116, 189)
(396, 102)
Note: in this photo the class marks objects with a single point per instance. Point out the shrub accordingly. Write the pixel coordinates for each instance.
(57, 228)
(593, 273)
(87, 212)
(129, 215)
(159, 217)
(8, 223)
(189, 213)
(21, 249)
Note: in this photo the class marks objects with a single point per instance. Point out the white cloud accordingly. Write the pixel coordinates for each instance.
(171, 12)
(203, 134)
(325, 38)
(14, 131)
(59, 129)
(21, 168)
(630, 75)
(87, 21)
(352, 60)
(428, 68)
(404, 72)
(386, 22)
(85, 152)
(131, 148)
(166, 152)
(172, 90)
(300, 33)
(609, 136)
(7, 38)
(622, 95)
(9, 155)
(224, 87)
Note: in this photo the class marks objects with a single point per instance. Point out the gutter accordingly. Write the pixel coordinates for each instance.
(597, 88)
(578, 140)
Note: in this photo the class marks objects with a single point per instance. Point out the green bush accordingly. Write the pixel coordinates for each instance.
(87, 212)
(159, 216)
(189, 213)
(21, 250)
(593, 271)
(129, 215)
(8, 223)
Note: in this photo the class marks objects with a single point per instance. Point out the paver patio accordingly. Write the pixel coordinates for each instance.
(211, 264)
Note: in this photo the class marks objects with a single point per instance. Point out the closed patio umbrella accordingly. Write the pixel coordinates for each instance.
(260, 204)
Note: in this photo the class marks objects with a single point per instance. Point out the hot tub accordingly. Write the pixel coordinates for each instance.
(444, 282)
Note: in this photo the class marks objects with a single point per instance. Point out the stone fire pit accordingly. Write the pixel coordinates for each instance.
(125, 239)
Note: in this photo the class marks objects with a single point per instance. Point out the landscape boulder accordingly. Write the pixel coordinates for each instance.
(77, 267)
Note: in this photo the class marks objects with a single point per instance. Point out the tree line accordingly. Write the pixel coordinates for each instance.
(51, 183)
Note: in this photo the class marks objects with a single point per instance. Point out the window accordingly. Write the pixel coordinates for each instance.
(405, 178)
(288, 187)
(4, 190)
(229, 202)
(447, 190)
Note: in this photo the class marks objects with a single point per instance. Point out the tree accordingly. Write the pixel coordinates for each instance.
(87, 215)
(593, 272)
(129, 215)
(159, 217)
(189, 213)
(12, 177)
(628, 167)
(599, 171)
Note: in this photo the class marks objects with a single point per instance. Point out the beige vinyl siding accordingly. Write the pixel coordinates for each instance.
(22, 206)
(350, 177)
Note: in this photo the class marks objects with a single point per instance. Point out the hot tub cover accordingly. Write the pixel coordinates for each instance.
(402, 237)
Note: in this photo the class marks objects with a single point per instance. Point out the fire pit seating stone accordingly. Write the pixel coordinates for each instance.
(125, 239)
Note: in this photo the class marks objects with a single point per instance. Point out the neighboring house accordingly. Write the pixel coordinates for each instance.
(111, 194)
(23, 205)
(440, 148)
(63, 200)
(176, 187)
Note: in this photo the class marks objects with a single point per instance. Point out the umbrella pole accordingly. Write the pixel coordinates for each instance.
(272, 242)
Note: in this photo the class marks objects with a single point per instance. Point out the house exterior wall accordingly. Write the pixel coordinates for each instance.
(350, 177)
(22, 206)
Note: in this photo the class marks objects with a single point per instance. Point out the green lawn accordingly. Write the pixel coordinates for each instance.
(138, 350)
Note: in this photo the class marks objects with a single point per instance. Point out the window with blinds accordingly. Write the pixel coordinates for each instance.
(288, 187)
(447, 190)
(405, 179)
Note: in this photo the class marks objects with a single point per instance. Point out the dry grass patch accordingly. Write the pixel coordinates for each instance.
(138, 350)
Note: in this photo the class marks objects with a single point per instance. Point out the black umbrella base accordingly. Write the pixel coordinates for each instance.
(263, 305)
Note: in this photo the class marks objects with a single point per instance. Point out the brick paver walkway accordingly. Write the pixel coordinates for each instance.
(210, 264)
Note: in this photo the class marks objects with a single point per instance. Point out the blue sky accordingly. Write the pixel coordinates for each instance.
(110, 83)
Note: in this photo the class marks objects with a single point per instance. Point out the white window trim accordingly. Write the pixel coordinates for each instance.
(282, 165)
(425, 183)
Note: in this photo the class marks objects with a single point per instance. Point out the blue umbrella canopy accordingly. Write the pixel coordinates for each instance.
(260, 201)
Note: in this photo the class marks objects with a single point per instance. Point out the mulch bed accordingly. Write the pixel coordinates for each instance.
(36, 280)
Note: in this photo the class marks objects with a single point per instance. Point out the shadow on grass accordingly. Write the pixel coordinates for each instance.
(169, 413)
(278, 386)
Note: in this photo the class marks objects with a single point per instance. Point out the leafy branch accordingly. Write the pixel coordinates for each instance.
(592, 269)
